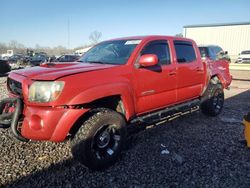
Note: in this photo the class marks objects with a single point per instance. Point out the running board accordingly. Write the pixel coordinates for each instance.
(167, 113)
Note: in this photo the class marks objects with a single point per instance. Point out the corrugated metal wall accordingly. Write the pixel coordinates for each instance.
(232, 38)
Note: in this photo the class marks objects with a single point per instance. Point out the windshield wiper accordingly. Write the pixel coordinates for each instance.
(99, 62)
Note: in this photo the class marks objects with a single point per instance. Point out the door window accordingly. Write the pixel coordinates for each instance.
(184, 51)
(160, 49)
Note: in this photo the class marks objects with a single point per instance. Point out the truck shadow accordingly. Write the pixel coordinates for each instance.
(69, 173)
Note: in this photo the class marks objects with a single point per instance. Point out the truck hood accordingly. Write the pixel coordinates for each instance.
(53, 71)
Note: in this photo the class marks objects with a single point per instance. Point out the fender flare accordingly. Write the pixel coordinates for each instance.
(107, 90)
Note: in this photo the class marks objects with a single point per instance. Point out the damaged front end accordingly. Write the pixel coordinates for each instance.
(10, 115)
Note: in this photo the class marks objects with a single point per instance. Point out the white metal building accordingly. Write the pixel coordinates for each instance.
(232, 37)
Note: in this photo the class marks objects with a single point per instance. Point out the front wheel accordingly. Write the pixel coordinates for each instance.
(100, 139)
(214, 105)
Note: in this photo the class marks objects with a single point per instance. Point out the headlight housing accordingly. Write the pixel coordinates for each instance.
(45, 91)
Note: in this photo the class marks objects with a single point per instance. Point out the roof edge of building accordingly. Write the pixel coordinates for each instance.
(217, 24)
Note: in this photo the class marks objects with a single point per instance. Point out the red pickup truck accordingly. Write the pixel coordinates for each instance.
(120, 82)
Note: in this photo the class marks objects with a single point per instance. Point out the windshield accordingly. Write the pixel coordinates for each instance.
(110, 52)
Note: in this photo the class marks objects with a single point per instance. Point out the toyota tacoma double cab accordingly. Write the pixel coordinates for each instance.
(117, 83)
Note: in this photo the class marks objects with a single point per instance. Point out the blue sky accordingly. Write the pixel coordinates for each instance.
(45, 22)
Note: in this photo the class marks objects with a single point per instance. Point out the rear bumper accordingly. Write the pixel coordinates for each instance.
(48, 123)
(226, 81)
(230, 81)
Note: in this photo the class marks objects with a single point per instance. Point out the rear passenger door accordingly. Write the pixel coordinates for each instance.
(190, 71)
(156, 85)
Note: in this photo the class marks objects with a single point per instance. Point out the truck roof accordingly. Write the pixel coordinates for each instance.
(208, 45)
(148, 37)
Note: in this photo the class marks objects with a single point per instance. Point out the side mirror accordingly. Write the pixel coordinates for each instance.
(148, 60)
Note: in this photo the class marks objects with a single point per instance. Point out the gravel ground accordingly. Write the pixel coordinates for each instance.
(191, 151)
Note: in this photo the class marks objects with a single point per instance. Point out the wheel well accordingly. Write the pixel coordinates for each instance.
(112, 102)
(215, 79)
(212, 82)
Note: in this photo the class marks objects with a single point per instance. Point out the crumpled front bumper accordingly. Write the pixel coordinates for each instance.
(10, 114)
(38, 123)
(49, 123)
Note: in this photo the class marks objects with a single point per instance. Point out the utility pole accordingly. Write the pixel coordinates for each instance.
(68, 33)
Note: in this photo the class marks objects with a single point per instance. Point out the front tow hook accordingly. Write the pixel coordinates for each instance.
(10, 119)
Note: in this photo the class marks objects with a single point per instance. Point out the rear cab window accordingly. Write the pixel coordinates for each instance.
(204, 51)
(217, 49)
(185, 52)
(207, 52)
(212, 54)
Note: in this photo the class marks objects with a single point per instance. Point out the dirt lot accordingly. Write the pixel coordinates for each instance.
(191, 151)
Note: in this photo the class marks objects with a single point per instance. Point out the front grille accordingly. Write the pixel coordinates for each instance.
(15, 87)
(246, 59)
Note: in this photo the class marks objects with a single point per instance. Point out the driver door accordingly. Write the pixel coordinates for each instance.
(156, 85)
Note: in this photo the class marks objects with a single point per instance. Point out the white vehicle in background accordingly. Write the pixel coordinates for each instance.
(244, 57)
(7, 55)
(82, 51)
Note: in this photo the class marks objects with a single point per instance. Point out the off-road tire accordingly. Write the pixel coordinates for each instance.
(83, 145)
(213, 104)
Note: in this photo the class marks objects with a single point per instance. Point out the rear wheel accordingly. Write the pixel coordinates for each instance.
(214, 105)
(100, 139)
